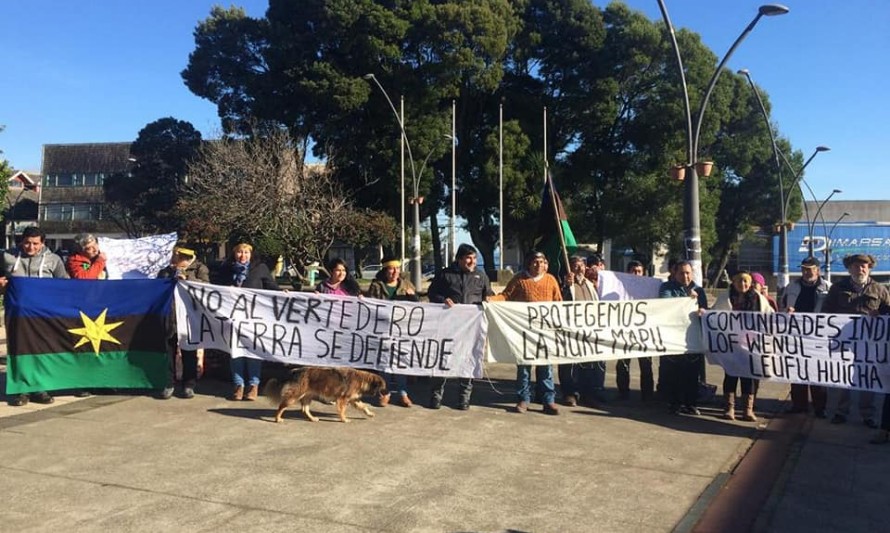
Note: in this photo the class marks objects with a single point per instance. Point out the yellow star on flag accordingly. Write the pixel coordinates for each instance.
(95, 331)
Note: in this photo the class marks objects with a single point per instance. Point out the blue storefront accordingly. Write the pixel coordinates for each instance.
(846, 239)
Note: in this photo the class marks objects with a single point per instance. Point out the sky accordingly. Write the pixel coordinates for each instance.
(99, 71)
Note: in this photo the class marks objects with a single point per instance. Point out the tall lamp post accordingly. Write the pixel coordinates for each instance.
(784, 193)
(691, 216)
(828, 246)
(812, 225)
(783, 229)
(416, 200)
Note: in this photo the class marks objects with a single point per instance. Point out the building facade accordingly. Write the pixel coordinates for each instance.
(72, 198)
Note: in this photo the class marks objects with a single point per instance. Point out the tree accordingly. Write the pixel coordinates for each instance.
(257, 189)
(144, 200)
(608, 79)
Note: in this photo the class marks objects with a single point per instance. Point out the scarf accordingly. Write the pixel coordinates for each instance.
(239, 272)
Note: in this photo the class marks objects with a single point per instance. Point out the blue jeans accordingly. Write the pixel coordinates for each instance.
(248, 366)
(544, 379)
(397, 383)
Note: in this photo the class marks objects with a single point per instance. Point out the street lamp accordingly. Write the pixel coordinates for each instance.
(783, 231)
(416, 199)
(691, 216)
(828, 246)
(812, 225)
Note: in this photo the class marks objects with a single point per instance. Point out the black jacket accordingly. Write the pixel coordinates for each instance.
(258, 276)
(460, 286)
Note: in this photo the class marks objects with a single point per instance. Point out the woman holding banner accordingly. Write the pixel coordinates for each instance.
(246, 271)
(389, 285)
(744, 296)
(339, 281)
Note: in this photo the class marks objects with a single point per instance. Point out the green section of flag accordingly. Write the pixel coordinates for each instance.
(548, 238)
(55, 371)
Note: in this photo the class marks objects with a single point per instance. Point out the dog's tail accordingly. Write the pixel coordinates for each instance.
(272, 390)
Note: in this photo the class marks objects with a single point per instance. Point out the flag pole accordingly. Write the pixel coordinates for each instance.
(548, 182)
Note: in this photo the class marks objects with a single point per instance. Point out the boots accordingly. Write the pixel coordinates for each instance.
(238, 393)
(252, 393)
(749, 408)
(729, 409)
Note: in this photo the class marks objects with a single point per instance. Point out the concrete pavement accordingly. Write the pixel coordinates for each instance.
(133, 463)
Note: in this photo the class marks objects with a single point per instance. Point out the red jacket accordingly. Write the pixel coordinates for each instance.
(80, 266)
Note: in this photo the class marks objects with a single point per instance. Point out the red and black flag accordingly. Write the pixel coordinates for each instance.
(554, 236)
(65, 334)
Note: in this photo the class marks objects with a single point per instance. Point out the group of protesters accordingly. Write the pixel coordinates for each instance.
(680, 376)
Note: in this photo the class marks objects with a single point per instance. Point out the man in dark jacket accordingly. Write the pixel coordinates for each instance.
(807, 295)
(459, 283)
(185, 266)
(681, 372)
(857, 294)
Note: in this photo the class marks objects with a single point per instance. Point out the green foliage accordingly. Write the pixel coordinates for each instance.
(147, 198)
(607, 77)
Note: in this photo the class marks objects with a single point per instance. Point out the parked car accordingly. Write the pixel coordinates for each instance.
(370, 271)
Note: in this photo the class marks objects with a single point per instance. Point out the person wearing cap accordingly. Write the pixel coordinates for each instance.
(759, 284)
(459, 283)
(577, 380)
(32, 259)
(534, 284)
(389, 285)
(807, 294)
(679, 374)
(183, 265)
(622, 368)
(857, 294)
(87, 262)
(595, 373)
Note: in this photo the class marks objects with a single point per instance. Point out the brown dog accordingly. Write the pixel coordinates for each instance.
(343, 385)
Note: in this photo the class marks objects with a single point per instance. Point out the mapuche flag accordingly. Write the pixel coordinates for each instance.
(70, 334)
(554, 231)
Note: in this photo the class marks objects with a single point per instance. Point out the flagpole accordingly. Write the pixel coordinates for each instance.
(549, 180)
(501, 185)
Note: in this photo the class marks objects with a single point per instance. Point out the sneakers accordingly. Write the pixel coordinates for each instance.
(870, 423)
(20, 400)
(839, 419)
(43, 398)
(405, 401)
(551, 409)
(463, 406)
(83, 393)
(435, 403)
(188, 393)
(570, 400)
(252, 393)
(237, 394)
(165, 394)
(521, 407)
(689, 410)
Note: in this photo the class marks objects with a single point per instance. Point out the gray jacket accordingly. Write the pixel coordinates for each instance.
(792, 291)
(44, 264)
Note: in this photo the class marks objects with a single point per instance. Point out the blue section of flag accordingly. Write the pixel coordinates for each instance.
(66, 298)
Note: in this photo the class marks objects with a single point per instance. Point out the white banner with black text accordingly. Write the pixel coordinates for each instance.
(320, 330)
(544, 333)
(847, 351)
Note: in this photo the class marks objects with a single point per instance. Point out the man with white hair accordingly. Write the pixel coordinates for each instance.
(87, 262)
(857, 294)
